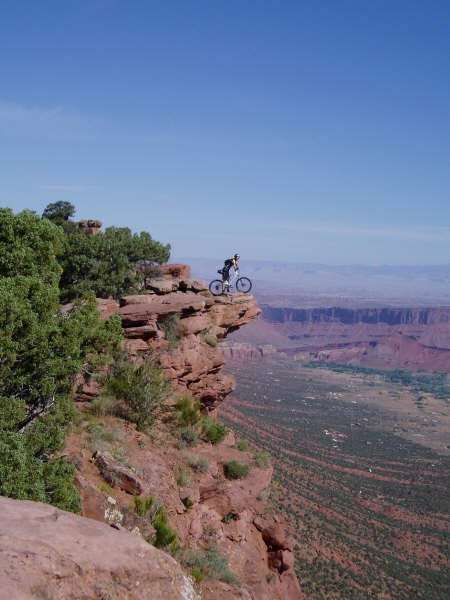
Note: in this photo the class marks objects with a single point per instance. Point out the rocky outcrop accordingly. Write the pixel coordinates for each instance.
(180, 320)
(48, 553)
(90, 226)
(117, 474)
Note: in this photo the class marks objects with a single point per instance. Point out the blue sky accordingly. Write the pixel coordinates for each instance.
(298, 131)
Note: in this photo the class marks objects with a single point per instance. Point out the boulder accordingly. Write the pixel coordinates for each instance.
(117, 474)
(163, 285)
(49, 553)
(107, 307)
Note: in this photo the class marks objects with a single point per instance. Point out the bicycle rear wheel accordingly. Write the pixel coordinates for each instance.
(216, 287)
(244, 285)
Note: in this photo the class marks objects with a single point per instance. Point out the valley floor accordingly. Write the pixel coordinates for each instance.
(368, 504)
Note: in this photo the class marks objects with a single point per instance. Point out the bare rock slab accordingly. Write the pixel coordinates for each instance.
(48, 553)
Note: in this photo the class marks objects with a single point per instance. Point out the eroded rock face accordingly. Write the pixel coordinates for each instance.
(183, 322)
(48, 553)
(90, 226)
(180, 322)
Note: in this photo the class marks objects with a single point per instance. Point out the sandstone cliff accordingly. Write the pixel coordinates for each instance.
(180, 322)
(349, 316)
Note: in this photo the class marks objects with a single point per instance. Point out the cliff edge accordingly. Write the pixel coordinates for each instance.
(223, 523)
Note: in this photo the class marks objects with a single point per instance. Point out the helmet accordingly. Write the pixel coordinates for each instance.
(236, 256)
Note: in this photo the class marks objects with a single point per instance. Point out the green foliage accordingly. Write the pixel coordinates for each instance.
(104, 405)
(231, 516)
(170, 325)
(188, 503)
(235, 470)
(242, 445)
(262, 459)
(105, 488)
(188, 435)
(59, 212)
(21, 474)
(142, 506)
(210, 563)
(188, 410)
(183, 478)
(199, 463)
(59, 486)
(41, 351)
(120, 454)
(143, 389)
(107, 263)
(197, 574)
(209, 338)
(165, 538)
(214, 432)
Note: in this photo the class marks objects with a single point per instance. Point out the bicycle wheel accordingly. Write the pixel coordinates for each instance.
(216, 287)
(244, 285)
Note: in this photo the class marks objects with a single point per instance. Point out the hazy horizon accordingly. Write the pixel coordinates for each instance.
(383, 284)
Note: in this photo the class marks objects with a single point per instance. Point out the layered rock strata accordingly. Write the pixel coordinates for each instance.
(181, 322)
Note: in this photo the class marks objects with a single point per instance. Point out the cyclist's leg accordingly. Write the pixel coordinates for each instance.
(226, 277)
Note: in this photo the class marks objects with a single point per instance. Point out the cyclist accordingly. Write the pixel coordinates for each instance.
(225, 271)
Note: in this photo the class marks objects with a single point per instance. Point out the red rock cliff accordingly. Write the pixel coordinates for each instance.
(179, 320)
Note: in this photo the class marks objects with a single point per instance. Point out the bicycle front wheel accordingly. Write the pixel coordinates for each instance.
(244, 285)
(216, 287)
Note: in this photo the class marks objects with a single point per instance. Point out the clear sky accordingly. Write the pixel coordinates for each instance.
(302, 131)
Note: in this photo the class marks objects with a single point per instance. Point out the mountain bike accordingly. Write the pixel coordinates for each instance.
(243, 284)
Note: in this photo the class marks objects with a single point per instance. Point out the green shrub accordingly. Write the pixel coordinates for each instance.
(188, 410)
(183, 479)
(105, 488)
(96, 433)
(262, 459)
(188, 435)
(143, 388)
(105, 405)
(210, 563)
(165, 537)
(188, 503)
(242, 445)
(235, 470)
(120, 454)
(211, 340)
(197, 574)
(41, 350)
(199, 463)
(143, 505)
(170, 324)
(231, 516)
(214, 432)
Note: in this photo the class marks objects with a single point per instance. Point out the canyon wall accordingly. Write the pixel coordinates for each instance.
(349, 316)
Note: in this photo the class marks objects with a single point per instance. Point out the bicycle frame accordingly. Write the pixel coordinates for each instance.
(232, 279)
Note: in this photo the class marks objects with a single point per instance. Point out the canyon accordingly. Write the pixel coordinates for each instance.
(408, 338)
